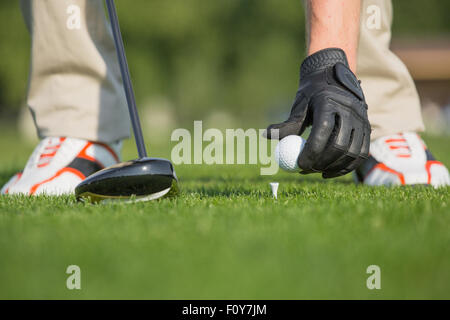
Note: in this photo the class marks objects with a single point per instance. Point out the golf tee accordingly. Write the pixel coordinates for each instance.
(274, 187)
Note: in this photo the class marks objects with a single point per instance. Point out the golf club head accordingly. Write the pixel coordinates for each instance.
(137, 180)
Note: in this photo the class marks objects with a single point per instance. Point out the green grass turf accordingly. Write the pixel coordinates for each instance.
(226, 238)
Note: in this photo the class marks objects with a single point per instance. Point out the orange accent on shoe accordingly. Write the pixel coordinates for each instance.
(422, 142)
(57, 174)
(19, 174)
(399, 143)
(395, 140)
(84, 155)
(50, 155)
(110, 150)
(428, 166)
(383, 167)
(52, 147)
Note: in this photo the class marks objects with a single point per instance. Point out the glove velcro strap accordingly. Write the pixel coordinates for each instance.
(322, 59)
(348, 80)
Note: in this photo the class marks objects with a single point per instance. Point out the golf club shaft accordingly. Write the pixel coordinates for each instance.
(129, 93)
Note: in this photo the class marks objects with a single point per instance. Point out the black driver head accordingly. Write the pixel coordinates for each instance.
(137, 180)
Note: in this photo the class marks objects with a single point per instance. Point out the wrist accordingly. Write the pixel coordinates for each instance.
(322, 59)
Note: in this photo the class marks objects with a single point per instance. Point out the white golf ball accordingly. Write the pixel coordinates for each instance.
(287, 152)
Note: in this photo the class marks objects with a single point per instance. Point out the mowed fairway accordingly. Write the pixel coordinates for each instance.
(226, 238)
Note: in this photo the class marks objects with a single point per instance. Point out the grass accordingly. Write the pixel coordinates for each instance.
(226, 238)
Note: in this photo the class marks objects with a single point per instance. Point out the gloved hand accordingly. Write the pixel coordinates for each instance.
(330, 99)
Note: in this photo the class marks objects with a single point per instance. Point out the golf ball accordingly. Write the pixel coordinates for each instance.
(287, 152)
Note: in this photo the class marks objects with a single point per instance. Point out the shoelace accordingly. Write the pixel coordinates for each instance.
(399, 146)
(49, 152)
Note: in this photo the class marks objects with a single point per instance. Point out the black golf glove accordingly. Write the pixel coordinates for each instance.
(330, 99)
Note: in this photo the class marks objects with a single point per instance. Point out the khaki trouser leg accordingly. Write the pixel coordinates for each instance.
(391, 95)
(75, 88)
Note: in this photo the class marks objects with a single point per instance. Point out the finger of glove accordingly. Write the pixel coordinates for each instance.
(350, 167)
(366, 144)
(283, 129)
(293, 125)
(349, 161)
(322, 127)
(364, 154)
(338, 144)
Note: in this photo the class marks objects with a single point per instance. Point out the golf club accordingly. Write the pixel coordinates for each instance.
(137, 180)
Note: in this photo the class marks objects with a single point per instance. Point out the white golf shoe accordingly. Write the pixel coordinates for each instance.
(57, 165)
(402, 159)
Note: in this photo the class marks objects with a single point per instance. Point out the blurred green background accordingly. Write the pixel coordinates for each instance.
(230, 61)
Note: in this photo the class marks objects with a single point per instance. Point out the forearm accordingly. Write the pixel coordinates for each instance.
(334, 23)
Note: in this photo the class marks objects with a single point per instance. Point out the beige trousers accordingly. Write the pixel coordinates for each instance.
(391, 95)
(75, 87)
